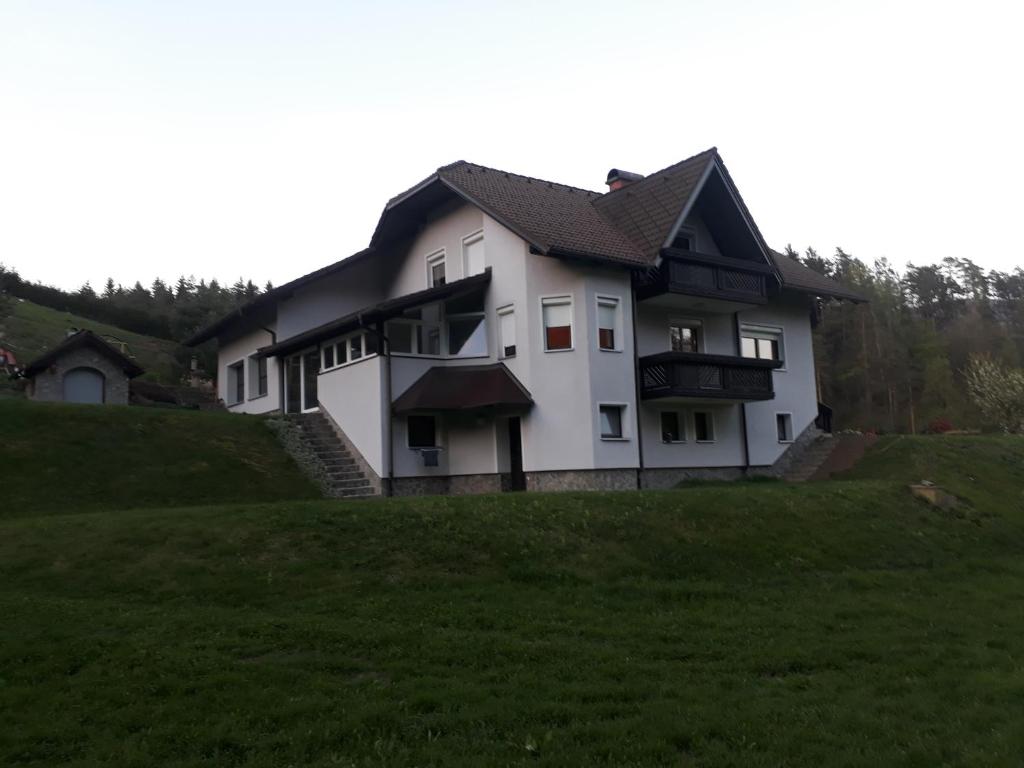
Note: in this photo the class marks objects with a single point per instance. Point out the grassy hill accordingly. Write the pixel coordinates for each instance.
(755, 624)
(61, 459)
(31, 329)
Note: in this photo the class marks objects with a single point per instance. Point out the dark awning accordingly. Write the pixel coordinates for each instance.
(465, 388)
(385, 310)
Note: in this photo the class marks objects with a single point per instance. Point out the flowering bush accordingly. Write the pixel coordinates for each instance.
(998, 391)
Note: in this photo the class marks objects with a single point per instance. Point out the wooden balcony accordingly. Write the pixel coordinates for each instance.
(713, 277)
(714, 377)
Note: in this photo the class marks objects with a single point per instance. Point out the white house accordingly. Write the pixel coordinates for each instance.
(502, 331)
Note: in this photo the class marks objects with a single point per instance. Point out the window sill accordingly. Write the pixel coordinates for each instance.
(786, 442)
(615, 439)
(602, 349)
(673, 442)
(705, 442)
(257, 397)
(567, 349)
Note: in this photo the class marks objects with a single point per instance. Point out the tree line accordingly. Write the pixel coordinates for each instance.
(900, 362)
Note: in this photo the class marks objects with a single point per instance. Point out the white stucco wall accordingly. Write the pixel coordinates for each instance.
(239, 349)
(329, 298)
(795, 389)
(353, 395)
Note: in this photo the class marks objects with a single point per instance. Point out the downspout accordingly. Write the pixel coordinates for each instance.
(636, 389)
(743, 406)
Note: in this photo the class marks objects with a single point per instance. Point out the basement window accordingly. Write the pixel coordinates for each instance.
(421, 431)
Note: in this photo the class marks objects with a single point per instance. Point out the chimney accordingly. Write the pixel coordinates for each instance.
(618, 179)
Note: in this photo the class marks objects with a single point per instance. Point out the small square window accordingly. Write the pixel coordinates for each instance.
(684, 336)
(422, 431)
(611, 422)
(703, 427)
(672, 428)
(784, 427)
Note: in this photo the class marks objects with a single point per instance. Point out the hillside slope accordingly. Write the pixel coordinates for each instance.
(31, 329)
(840, 623)
(57, 458)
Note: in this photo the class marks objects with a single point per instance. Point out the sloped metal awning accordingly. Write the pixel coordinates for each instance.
(465, 389)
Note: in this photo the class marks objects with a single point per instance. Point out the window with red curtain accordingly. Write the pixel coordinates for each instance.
(557, 324)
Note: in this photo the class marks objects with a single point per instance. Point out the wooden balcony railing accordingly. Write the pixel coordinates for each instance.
(688, 374)
(716, 277)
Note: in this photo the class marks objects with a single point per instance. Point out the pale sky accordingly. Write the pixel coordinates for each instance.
(261, 139)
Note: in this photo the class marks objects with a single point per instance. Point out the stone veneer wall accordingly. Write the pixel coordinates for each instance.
(582, 480)
(48, 385)
(670, 477)
(792, 455)
(455, 485)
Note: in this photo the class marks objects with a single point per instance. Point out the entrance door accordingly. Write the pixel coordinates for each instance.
(517, 479)
(310, 369)
(293, 385)
(83, 385)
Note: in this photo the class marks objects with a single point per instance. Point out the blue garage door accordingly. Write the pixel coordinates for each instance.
(83, 385)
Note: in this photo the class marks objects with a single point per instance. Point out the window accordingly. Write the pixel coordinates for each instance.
(784, 427)
(507, 331)
(703, 427)
(557, 316)
(355, 347)
(473, 254)
(684, 335)
(761, 343)
(341, 353)
(609, 334)
(422, 431)
(611, 421)
(672, 428)
(417, 332)
(400, 336)
(467, 336)
(236, 383)
(328, 357)
(435, 269)
(428, 339)
(257, 377)
(685, 239)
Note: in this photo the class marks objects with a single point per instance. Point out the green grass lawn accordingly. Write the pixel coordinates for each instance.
(758, 624)
(31, 329)
(61, 459)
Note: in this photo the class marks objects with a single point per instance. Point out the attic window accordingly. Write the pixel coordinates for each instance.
(685, 239)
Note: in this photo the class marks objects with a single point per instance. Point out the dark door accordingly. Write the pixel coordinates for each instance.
(293, 385)
(517, 479)
(311, 365)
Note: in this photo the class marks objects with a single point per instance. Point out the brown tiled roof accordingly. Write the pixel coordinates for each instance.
(795, 276)
(555, 218)
(465, 388)
(84, 339)
(646, 210)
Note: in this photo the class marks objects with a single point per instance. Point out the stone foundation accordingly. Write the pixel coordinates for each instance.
(444, 485)
(670, 477)
(582, 480)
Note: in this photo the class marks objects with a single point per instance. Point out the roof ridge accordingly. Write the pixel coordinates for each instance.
(529, 179)
(657, 173)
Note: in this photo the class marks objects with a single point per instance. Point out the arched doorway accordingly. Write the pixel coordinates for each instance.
(84, 385)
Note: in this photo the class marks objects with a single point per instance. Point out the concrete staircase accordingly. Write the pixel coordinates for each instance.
(343, 479)
(829, 454)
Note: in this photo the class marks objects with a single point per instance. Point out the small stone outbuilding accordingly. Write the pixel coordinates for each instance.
(82, 369)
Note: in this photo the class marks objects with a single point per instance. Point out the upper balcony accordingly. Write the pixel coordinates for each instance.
(725, 281)
(691, 375)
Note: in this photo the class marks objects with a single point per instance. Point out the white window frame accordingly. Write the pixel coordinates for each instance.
(344, 342)
(432, 260)
(792, 435)
(711, 424)
(438, 442)
(619, 330)
(683, 428)
(233, 390)
(757, 331)
(688, 322)
(554, 300)
(253, 372)
(623, 422)
(503, 312)
(471, 239)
